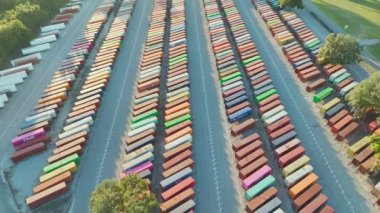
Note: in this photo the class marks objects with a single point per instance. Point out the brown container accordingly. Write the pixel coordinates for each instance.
(269, 100)
(281, 131)
(178, 127)
(177, 200)
(270, 106)
(241, 143)
(64, 177)
(291, 156)
(337, 117)
(244, 126)
(278, 124)
(178, 134)
(363, 155)
(176, 102)
(344, 133)
(307, 195)
(76, 149)
(135, 138)
(237, 107)
(250, 158)
(80, 141)
(174, 161)
(302, 185)
(366, 166)
(46, 195)
(252, 167)
(28, 151)
(45, 125)
(327, 209)
(345, 121)
(248, 149)
(71, 138)
(260, 200)
(315, 204)
(186, 163)
(174, 152)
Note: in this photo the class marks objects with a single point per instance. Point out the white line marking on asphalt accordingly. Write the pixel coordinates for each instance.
(211, 134)
(304, 120)
(32, 92)
(118, 105)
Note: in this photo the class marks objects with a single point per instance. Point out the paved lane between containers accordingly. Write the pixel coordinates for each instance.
(334, 177)
(99, 161)
(214, 186)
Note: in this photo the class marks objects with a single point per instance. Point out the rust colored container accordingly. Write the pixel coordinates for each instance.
(177, 200)
(307, 195)
(291, 156)
(250, 158)
(315, 204)
(64, 177)
(252, 167)
(260, 200)
(248, 149)
(281, 131)
(278, 124)
(46, 195)
(344, 133)
(174, 161)
(241, 143)
(176, 151)
(337, 117)
(28, 151)
(363, 155)
(178, 188)
(345, 121)
(244, 126)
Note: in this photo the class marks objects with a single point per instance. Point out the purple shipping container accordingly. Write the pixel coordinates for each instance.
(140, 168)
(28, 136)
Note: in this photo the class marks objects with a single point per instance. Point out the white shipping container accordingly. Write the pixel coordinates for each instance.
(178, 142)
(50, 113)
(25, 67)
(87, 120)
(53, 27)
(43, 40)
(66, 134)
(8, 88)
(141, 129)
(36, 49)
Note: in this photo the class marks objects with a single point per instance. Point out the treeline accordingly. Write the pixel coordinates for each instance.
(20, 21)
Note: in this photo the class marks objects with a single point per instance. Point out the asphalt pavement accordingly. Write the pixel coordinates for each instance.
(99, 161)
(338, 184)
(214, 187)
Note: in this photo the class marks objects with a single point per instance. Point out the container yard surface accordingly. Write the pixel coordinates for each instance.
(335, 178)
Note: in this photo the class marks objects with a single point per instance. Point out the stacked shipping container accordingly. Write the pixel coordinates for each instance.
(63, 163)
(33, 135)
(178, 182)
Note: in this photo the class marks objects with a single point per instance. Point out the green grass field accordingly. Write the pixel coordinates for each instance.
(362, 16)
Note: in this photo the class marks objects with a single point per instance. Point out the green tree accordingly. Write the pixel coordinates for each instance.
(291, 4)
(375, 144)
(365, 96)
(339, 49)
(128, 195)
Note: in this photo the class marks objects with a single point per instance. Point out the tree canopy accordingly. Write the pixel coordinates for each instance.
(127, 195)
(339, 49)
(20, 21)
(291, 4)
(365, 96)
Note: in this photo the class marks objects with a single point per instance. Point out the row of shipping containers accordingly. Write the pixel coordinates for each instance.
(250, 160)
(299, 178)
(301, 48)
(63, 162)
(140, 139)
(32, 55)
(305, 46)
(177, 177)
(33, 135)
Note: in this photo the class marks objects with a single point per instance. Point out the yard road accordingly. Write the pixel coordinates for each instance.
(338, 184)
(214, 187)
(102, 152)
(321, 32)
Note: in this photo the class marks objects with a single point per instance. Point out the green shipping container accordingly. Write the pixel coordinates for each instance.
(322, 95)
(265, 95)
(259, 187)
(72, 158)
(178, 120)
(229, 77)
(145, 115)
